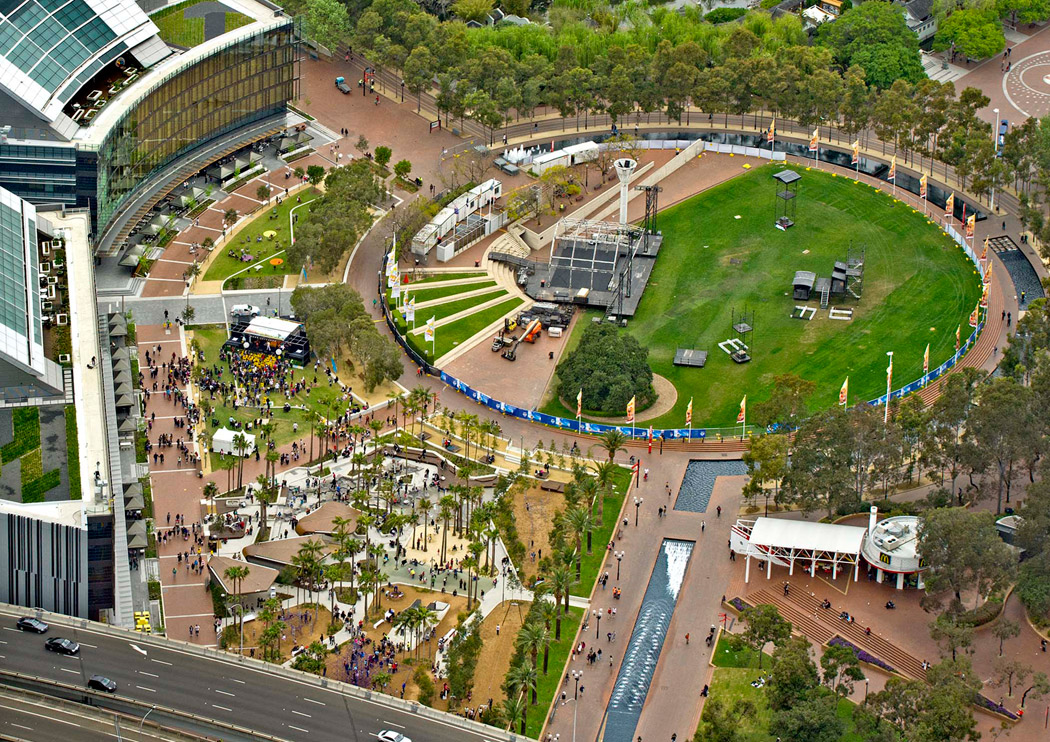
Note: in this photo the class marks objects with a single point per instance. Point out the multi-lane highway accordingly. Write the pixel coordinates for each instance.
(246, 695)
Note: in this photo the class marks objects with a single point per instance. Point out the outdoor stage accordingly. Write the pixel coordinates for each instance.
(589, 262)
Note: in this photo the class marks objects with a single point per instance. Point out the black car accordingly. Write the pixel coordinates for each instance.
(28, 623)
(102, 683)
(62, 645)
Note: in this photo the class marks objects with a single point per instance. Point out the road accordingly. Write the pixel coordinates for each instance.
(208, 308)
(226, 691)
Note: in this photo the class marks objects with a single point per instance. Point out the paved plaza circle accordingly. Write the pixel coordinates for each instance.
(1027, 85)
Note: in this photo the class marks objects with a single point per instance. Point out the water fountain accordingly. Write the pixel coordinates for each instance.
(647, 640)
(699, 482)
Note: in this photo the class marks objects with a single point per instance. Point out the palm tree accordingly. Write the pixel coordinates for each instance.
(447, 506)
(228, 463)
(551, 614)
(266, 494)
(366, 521)
(428, 618)
(578, 522)
(229, 217)
(236, 575)
(561, 583)
(307, 562)
(514, 708)
(613, 441)
(240, 445)
(425, 506)
(603, 475)
(210, 490)
(395, 398)
(523, 678)
(530, 639)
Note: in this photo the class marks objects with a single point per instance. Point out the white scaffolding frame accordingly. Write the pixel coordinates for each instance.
(812, 547)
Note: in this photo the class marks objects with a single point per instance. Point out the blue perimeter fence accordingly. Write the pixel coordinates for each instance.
(642, 432)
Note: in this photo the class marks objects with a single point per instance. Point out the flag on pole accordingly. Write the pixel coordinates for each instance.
(742, 415)
(949, 206)
(772, 130)
(391, 259)
(844, 392)
(958, 332)
(975, 315)
(410, 314)
(922, 187)
(971, 223)
(984, 253)
(650, 439)
(394, 278)
(304, 273)
(335, 369)
(889, 389)
(395, 291)
(814, 140)
(855, 158)
(926, 360)
(689, 412)
(889, 373)
(579, 403)
(984, 296)
(893, 169)
(630, 411)
(428, 333)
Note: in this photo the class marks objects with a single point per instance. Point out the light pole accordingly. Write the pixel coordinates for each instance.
(865, 689)
(143, 721)
(637, 504)
(576, 675)
(619, 558)
(598, 626)
(995, 142)
(575, 707)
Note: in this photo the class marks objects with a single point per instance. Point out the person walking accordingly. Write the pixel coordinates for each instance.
(687, 638)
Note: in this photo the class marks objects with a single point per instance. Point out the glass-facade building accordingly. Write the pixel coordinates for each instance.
(21, 333)
(246, 79)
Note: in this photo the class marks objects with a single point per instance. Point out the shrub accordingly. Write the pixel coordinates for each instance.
(724, 15)
(73, 457)
(382, 155)
(26, 427)
(425, 685)
(34, 491)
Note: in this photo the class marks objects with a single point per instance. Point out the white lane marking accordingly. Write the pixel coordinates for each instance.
(3, 642)
(223, 692)
(66, 669)
(39, 716)
(235, 680)
(139, 649)
(319, 703)
(220, 707)
(399, 726)
(161, 662)
(299, 729)
(8, 628)
(20, 726)
(142, 687)
(301, 714)
(143, 672)
(88, 645)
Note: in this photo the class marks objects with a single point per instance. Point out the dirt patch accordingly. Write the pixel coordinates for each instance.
(497, 651)
(666, 397)
(534, 511)
(304, 626)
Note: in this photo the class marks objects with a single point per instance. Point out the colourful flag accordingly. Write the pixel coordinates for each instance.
(984, 253)
(855, 158)
(949, 206)
(926, 360)
(958, 332)
(689, 412)
(814, 141)
(844, 392)
(304, 273)
(428, 333)
(335, 369)
(975, 315)
(889, 374)
(922, 187)
(984, 296)
(630, 411)
(772, 130)
(579, 404)
(893, 169)
(395, 291)
(971, 223)
(742, 415)
(410, 315)
(650, 435)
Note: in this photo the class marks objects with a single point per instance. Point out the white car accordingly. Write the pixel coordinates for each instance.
(244, 310)
(388, 735)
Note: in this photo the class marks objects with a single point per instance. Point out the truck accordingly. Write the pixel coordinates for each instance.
(340, 84)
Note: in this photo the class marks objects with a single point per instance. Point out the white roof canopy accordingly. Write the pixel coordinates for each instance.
(800, 534)
(272, 327)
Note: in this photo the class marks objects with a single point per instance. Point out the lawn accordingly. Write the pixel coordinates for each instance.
(592, 563)
(449, 308)
(223, 266)
(721, 253)
(731, 683)
(451, 335)
(440, 292)
(726, 656)
(550, 684)
(176, 29)
(448, 277)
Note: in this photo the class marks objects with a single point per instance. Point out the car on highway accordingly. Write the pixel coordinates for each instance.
(102, 683)
(62, 646)
(388, 735)
(28, 623)
(244, 310)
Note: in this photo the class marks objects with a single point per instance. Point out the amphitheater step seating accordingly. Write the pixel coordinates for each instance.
(819, 624)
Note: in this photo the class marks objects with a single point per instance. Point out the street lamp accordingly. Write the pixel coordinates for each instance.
(576, 675)
(619, 558)
(598, 626)
(143, 721)
(995, 141)
(637, 504)
(865, 689)
(575, 707)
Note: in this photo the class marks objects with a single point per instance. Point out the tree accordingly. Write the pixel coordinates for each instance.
(819, 474)
(313, 659)
(841, 669)
(793, 677)
(229, 217)
(1009, 671)
(787, 404)
(975, 32)
(944, 710)
(813, 719)
(1000, 426)
(1005, 629)
(361, 145)
(611, 367)
(402, 168)
(875, 37)
(263, 193)
(236, 576)
(766, 461)
(327, 22)
(472, 10)
(963, 551)
(419, 72)
(382, 155)
(1040, 687)
(764, 625)
(720, 720)
(952, 634)
(315, 173)
(612, 441)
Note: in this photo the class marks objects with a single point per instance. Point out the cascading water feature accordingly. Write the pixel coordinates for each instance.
(647, 640)
(699, 482)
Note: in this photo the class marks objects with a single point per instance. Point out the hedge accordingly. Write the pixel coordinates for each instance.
(34, 491)
(26, 424)
(72, 453)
